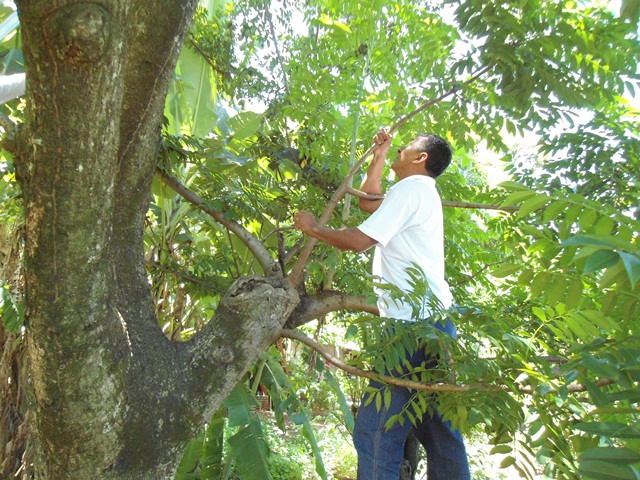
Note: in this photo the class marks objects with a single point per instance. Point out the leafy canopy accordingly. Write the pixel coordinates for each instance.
(271, 104)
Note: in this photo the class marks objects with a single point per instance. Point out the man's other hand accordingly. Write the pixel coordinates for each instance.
(304, 221)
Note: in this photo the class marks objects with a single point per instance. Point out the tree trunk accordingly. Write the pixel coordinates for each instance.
(110, 396)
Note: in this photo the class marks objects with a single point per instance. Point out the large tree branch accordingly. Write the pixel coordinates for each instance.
(247, 320)
(266, 261)
(312, 307)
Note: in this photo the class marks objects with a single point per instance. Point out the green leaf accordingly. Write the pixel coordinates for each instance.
(525, 277)
(604, 226)
(609, 429)
(615, 274)
(507, 462)
(501, 450)
(606, 471)
(244, 125)
(539, 284)
(612, 454)
(598, 397)
(326, 20)
(190, 460)
(606, 241)
(574, 293)
(533, 204)
(553, 210)
(308, 433)
(212, 454)
(295, 409)
(345, 408)
(196, 94)
(538, 312)
(587, 219)
(203, 456)
(387, 397)
(251, 452)
(11, 313)
(352, 331)
(557, 289)
(515, 186)
(239, 404)
(632, 265)
(518, 197)
(506, 270)
(600, 259)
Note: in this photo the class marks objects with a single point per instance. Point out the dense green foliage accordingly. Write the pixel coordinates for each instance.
(271, 105)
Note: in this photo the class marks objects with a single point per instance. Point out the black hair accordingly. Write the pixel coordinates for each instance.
(438, 150)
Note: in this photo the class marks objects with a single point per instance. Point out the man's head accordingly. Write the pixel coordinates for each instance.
(438, 152)
(427, 152)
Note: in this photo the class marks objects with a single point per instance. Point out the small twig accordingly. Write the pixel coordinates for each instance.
(365, 195)
(275, 43)
(207, 58)
(474, 275)
(445, 203)
(479, 206)
(289, 254)
(281, 63)
(574, 388)
(233, 253)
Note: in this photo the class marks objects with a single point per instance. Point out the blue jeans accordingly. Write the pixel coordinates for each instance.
(380, 451)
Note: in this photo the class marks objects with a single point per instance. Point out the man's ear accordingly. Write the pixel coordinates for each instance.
(422, 158)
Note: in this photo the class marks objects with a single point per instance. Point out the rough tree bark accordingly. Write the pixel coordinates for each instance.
(110, 396)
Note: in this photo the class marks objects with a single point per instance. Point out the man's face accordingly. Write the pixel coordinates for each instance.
(405, 158)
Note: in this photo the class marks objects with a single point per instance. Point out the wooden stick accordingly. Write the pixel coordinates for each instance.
(345, 185)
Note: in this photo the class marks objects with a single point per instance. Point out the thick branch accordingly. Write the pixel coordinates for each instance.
(263, 256)
(247, 320)
(433, 387)
(346, 183)
(315, 306)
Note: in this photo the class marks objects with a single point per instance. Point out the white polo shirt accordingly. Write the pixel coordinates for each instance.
(408, 227)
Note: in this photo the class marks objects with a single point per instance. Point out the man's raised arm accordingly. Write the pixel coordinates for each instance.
(372, 182)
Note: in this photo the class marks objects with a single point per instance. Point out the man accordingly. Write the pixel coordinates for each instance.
(407, 230)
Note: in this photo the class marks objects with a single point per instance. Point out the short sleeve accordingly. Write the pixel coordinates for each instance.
(393, 215)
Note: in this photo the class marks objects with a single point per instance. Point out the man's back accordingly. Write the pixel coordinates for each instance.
(408, 227)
